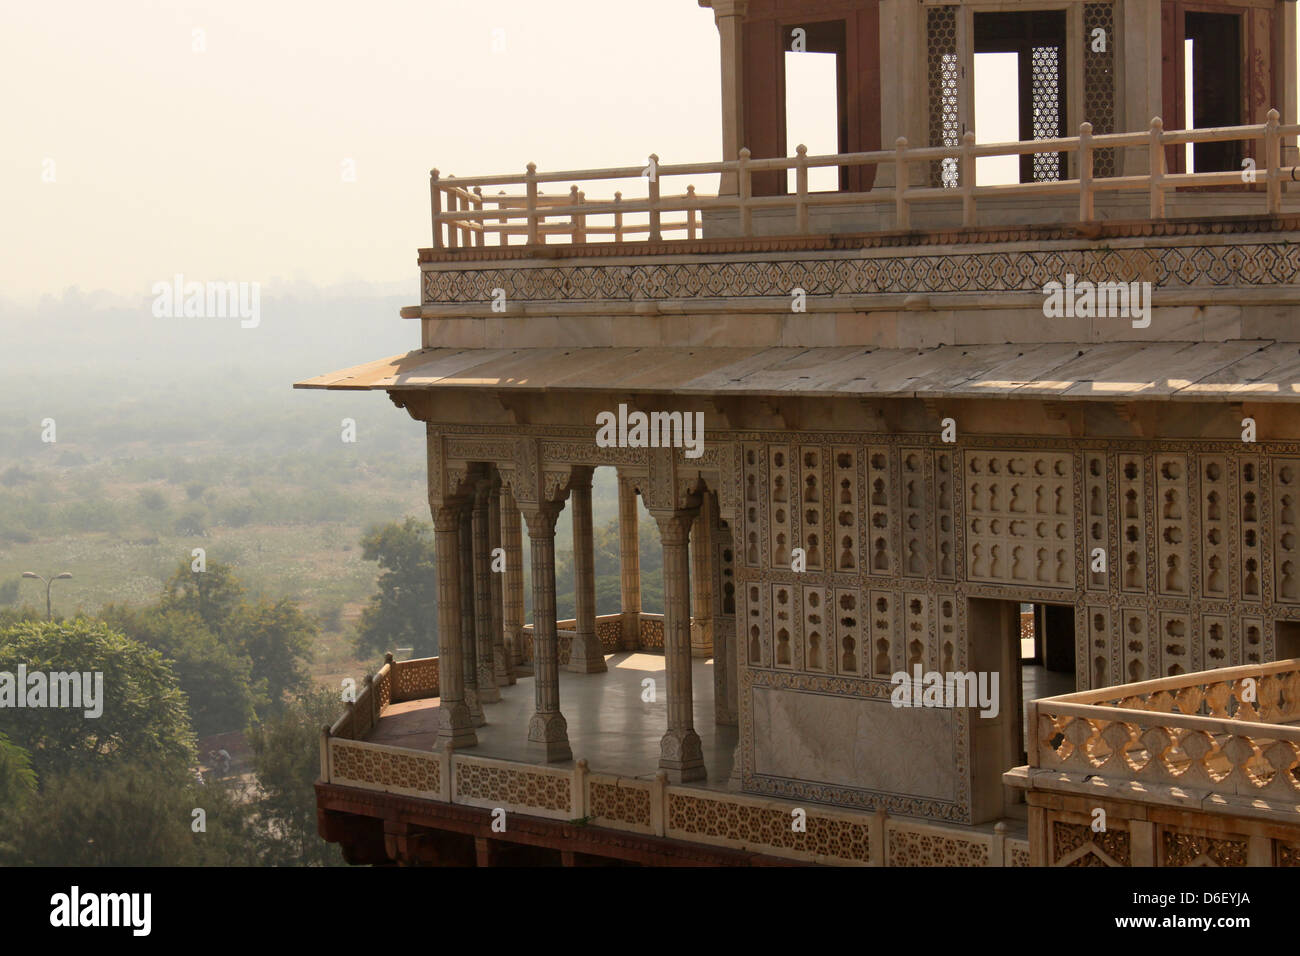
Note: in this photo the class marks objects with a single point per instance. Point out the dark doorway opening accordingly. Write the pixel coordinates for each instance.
(1212, 78)
(1046, 657)
(1037, 38)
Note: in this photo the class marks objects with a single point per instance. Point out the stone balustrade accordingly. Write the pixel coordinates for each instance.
(473, 212)
(647, 806)
(1204, 735)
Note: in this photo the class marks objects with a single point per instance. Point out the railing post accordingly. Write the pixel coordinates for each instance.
(1085, 172)
(503, 220)
(480, 237)
(1157, 174)
(532, 203)
(966, 178)
(371, 697)
(690, 213)
(453, 231)
(801, 189)
(744, 188)
(902, 214)
(435, 204)
(325, 754)
(618, 217)
(575, 228)
(655, 235)
(1273, 162)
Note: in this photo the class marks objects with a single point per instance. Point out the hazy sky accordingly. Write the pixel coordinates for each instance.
(227, 164)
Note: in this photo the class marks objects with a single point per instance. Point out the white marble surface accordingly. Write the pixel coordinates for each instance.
(853, 742)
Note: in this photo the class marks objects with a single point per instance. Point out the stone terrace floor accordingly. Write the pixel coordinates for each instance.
(609, 724)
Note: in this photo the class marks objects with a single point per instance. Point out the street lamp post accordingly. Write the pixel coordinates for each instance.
(49, 583)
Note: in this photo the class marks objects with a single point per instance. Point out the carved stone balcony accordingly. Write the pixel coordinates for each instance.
(1193, 768)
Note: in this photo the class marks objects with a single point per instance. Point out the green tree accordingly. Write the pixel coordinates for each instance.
(278, 638)
(17, 778)
(216, 676)
(144, 716)
(404, 611)
(131, 815)
(213, 594)
(286, 759)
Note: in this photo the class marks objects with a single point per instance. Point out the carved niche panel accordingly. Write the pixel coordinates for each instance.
(1172, 526)
(1251, 532)
(1019, 518)
(1286, 560)
(780, 525)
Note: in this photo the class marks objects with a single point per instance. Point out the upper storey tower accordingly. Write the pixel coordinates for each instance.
(909, 68)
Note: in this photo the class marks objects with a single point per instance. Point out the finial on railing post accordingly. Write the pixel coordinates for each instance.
(801, 189)
(966, 177)
(655, 235)
(531, 203)
(503, 220)
(690, 212)
(744, 189)
(902, 213)
(435, 204)
(618, 217)
(480, 236)
(1273, 162)
(1085, 172)
(453, 204)
(1157, 174)
(575, 231)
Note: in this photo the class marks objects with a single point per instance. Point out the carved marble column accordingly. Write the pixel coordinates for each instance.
(586, 656)
(681, 756)
(488, 691)
(702, 580)
(724, 627)
(548, 734)
(455, 728)
(512, 535)
(629, 563)
(503, 666)
(469, 659)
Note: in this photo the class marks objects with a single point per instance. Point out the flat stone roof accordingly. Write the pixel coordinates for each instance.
(1255, 370)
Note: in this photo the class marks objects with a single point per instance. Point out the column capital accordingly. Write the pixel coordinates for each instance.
(541, 519)
(446, 515)
(580, 477)
(727, 8)
(674, 526)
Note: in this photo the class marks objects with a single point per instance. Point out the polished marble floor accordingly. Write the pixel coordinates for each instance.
(611, 724)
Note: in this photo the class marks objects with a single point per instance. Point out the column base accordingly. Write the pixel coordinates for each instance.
(488, 692)
(629, 638)
(681, 757)
(454, 729)
(701, 639)
(548, 737)
(503, 673)
(476, 718)
(586, 656)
